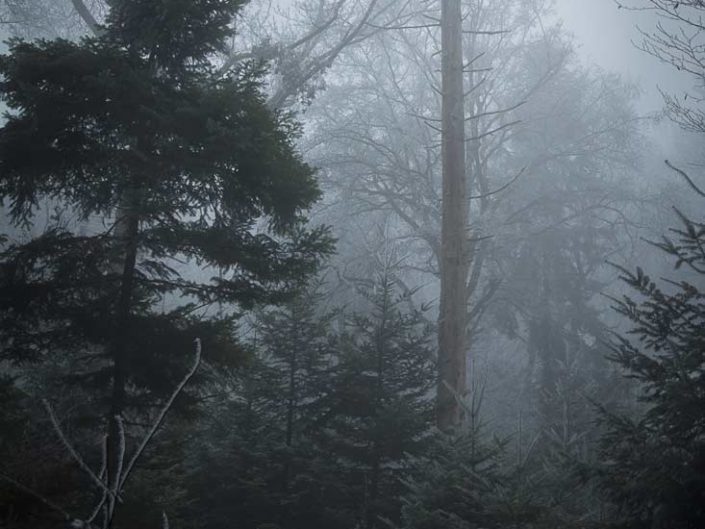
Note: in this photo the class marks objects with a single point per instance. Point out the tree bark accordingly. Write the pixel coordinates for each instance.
(453, 265)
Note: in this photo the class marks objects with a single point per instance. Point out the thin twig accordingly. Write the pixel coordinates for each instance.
(505, 186)
(687, 178)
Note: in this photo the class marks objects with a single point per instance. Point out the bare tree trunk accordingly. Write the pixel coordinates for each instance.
(453, 265)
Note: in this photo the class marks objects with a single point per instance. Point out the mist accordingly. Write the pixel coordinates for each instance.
(352, 264)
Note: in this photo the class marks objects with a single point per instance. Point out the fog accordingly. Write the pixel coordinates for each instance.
(608, 37)
(352, 264)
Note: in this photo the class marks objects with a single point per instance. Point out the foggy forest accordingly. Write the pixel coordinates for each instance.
(352, 264)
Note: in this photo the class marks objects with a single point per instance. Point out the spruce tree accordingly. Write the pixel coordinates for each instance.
(161, 164)
(296, 344)
(381, 404)
(653, 466)
(260, 448)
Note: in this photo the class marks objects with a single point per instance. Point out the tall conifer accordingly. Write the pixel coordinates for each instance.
(162, 163)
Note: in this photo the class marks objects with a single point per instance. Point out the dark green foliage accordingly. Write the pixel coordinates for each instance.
(323, 422)
(173, 33)
(189, 163)
(184, 202)
(462, 482)
(381, 402)
(257, 462)
(653, 466)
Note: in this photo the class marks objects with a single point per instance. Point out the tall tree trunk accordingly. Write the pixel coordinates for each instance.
(453, 265)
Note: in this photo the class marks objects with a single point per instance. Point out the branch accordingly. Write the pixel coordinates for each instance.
(493, 112)
(493, 131)
(101, 474)
(278, 99)
(687, 178)
(88, 17)
(72, 450)
(162, 414)
(505, 186)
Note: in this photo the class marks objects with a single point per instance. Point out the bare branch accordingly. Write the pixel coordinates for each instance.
(493, 131)
(72, 450)
(88, 17)
(495, 112)
(120, 456)
(687, 178)
(505, 186)
(162, 414)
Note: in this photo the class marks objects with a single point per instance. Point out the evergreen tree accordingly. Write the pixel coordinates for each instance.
(381, 404)
(161, 161)
(458, 484)
(264, 453)
(653, 466)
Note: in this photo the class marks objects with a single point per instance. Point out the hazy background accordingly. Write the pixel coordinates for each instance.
(606, 36)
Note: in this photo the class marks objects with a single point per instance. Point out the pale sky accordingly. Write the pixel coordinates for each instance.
(604, 35)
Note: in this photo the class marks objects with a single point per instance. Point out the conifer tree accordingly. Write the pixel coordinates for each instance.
(381, 409)
(653, 466)
(260, 448)
(160, 161)
(458, 484)
(297, 346)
